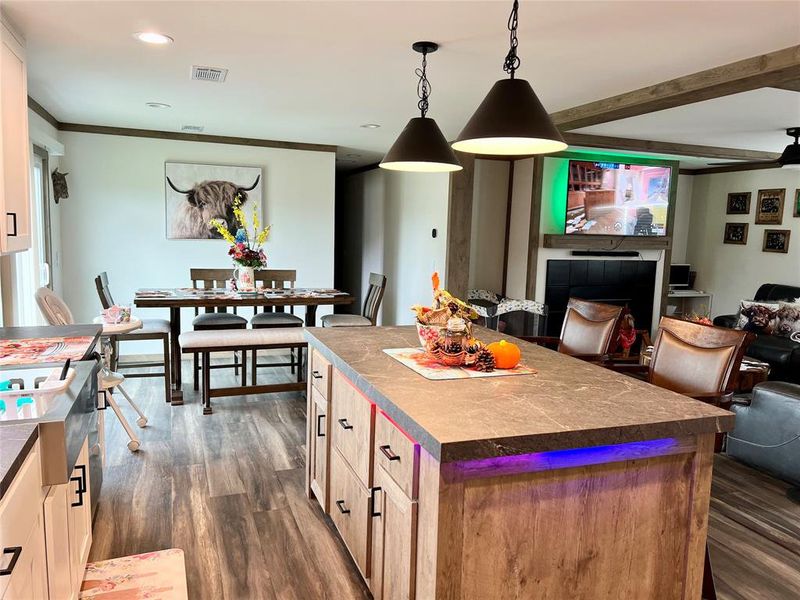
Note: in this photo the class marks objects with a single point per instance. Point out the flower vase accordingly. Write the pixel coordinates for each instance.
(245, 279)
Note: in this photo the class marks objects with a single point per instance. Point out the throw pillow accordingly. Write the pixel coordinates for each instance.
(758, 317)
(788, 318)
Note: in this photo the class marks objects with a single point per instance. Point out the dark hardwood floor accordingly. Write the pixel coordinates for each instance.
(229, 490)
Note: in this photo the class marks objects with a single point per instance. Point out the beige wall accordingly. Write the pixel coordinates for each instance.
(733, 272)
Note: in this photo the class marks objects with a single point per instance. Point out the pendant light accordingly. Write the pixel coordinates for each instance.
(510, 120)
(421, 146)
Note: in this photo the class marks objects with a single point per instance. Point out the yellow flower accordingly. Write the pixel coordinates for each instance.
(223, 231)
(256, 224)
(262, 237)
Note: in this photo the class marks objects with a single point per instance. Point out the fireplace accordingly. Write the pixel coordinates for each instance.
(628, 283)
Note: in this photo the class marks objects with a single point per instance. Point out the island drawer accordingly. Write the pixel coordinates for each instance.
(320, 372)
(397, 454)
(350, 510)
(352, 418)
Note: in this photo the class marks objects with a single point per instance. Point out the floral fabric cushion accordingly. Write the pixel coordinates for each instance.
(788, 318)
(758, 317)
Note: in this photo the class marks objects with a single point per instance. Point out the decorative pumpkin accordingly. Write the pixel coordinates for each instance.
(506, 354)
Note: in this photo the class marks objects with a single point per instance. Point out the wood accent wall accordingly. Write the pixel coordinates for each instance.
(459, 226)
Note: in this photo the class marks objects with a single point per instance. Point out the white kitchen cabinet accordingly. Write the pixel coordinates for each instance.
(68, 528)
(23, 564)
(15, 172)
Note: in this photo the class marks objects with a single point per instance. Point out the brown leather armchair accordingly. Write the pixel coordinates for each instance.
(589, 331)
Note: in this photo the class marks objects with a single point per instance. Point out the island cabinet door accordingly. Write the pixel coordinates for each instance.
(394, 540)
(319, 449)
(350, 511)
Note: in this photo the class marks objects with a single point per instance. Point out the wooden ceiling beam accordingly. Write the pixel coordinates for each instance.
(675, 148)
(766, 70)
(753, 166)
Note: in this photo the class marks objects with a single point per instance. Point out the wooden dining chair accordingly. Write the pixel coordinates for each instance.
(369, 311)
(152, 329)
(589, 332)
(700, 361)
(275, 317)
(214, 318)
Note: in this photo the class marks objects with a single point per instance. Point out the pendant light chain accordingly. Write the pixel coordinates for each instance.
(512, 61)
(423, 86)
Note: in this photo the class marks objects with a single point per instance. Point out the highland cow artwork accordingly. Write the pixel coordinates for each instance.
(197, 194)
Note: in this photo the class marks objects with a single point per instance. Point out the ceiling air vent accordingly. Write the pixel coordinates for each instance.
(213, 74)
(192, 128)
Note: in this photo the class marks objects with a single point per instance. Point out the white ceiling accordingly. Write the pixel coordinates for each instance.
(315, 71)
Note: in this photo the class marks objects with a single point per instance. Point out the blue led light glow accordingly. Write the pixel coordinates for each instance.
(575, 457)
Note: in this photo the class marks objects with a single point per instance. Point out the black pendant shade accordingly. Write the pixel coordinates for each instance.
(421, 147)
(790, 159)
(510, 121)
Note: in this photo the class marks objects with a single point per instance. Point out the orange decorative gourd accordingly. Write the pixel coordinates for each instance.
(506, 354)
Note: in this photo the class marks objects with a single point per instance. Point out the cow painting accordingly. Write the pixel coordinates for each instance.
(191, 208)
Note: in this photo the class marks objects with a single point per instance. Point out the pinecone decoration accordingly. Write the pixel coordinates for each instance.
(484, 361)
(472, 352)
(454, 348)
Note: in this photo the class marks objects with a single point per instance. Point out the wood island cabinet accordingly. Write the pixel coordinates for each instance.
(509, 487)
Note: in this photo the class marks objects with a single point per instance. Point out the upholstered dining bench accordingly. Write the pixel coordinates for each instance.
(205, 343)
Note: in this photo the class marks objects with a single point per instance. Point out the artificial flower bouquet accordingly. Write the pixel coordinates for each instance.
(247, 245)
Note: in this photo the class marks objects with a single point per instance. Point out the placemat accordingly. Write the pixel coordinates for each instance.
(41, 350)
(416, 360)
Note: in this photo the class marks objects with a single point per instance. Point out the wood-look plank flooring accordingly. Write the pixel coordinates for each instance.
(229, 490)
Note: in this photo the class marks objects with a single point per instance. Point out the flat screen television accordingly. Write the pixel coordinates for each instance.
(609, 198)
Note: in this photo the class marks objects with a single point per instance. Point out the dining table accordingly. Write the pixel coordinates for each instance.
(216, 298)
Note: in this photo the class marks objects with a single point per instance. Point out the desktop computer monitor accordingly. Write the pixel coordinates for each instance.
(679, 276)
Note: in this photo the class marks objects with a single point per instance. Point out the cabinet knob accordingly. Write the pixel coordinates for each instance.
(342, 509)
(387, 452)
(14, 551)
(345, 424)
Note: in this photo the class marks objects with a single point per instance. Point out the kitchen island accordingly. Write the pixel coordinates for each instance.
(574, 482)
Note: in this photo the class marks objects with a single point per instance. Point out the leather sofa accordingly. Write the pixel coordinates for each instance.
(780, 352)
(767, 431)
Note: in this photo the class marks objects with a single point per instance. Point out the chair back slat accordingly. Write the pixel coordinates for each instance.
(103, 291)
(203, 279)
(372, 302)
(277, 279)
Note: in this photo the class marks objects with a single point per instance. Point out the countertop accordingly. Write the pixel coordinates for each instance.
(568, 404)
(16, 441)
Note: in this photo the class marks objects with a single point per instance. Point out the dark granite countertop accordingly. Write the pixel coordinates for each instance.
(16, 441)
(567, 404)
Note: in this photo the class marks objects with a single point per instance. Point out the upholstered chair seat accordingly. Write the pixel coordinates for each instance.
(219, 321)
(345, 321)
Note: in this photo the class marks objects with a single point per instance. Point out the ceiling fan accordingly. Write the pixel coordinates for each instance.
(790, 159)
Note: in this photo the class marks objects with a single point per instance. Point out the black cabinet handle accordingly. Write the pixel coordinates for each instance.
(372, 511)
(345, 424)
(387, 452)
(81, 480)
(316, 375)
(342, 509)
(320, 433)
(14, 551)
(13, 216)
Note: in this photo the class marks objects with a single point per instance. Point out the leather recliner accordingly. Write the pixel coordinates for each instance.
(767, 432)
(782, 353)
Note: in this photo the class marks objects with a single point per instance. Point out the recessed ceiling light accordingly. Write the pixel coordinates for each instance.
(158, 105)
(370, 126)
(152, 37)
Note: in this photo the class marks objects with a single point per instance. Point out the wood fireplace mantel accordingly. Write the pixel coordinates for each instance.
(606, 242)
